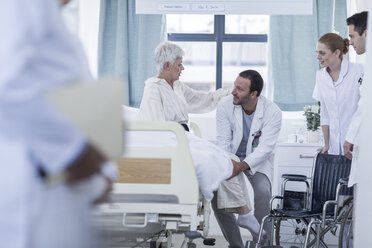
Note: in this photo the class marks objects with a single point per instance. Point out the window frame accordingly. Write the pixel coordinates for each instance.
(219, 36)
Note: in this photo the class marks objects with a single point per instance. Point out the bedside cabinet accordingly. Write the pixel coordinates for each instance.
(293, 158)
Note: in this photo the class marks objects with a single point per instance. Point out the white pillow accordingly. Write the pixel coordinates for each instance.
(130, 113)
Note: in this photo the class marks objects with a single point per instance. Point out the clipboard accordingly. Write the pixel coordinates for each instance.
(96, 109)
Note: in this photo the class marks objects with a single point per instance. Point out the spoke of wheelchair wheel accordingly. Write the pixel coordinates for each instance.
(289, 236)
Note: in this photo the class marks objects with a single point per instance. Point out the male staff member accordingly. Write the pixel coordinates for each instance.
(358, 33)
(248, 125)
(38, 54)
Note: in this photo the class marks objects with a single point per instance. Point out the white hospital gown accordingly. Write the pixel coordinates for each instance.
(37, 54)
(338, 101)
(162, 103)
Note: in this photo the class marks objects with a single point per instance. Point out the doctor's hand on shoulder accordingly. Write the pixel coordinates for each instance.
(239, 167)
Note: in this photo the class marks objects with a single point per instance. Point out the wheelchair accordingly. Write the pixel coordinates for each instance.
(303, 218)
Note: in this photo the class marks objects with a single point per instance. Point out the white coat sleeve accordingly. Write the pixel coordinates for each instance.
(201, 101)
(352, 135)
(25, 115)
(317, 95)
(224, 135)
(324, 117)
(269, 137)
(151, 108)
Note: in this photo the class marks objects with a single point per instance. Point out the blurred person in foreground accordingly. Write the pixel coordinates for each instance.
(50, 175)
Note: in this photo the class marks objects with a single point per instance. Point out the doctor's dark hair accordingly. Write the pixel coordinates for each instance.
(359, 20)
(255, 78)
(334, 41)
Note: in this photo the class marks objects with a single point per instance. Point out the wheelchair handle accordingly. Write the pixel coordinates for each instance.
(306, 156)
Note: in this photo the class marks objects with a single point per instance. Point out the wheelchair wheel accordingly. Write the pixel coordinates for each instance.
(290, 233)
(346, 231)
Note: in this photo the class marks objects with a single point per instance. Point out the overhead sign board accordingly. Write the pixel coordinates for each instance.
(252, 7)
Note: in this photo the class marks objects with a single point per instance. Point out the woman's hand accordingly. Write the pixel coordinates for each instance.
(324, 149)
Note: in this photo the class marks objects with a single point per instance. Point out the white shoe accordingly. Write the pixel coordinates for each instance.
(249, 221)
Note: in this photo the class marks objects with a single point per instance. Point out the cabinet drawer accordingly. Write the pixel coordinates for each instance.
(295, 156)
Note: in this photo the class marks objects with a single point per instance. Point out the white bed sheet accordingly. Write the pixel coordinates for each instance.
(212, 164)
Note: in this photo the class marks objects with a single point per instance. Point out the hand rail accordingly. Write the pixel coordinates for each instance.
(306, 156)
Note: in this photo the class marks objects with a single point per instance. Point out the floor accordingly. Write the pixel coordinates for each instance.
(220, 241)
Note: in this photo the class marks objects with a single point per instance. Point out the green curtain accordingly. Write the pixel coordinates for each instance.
(126, 45)
(292, 57)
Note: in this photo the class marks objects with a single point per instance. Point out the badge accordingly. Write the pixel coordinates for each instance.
(256, 139)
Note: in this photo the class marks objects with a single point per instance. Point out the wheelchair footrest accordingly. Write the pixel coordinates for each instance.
(252, 244)
(271, 246)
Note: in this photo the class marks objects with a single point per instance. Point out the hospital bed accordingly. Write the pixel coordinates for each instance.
(157, 192)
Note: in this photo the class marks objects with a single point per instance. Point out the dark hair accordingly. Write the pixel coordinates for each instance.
(255, 78)
(334, 41)
(359, 20)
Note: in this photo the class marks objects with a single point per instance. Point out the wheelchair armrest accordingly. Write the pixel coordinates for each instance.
(294, 177)
(273, 198)
(325, 206)
(344, 181)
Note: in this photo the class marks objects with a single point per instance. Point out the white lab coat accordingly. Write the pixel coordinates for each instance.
(338, 101)
(37, 54)
(229, 128)
(352, 137)
(162, 103)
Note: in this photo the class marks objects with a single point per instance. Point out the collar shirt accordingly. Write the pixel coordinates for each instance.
(37, 54)
(338, 101)
(162, 103)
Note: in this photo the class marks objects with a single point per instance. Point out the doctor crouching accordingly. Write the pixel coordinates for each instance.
(247, 125)
(38, 54)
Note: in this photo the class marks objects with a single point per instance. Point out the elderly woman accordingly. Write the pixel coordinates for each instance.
(165, 98)
(337, 89)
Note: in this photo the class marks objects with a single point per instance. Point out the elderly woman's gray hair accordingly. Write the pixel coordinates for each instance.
(166, 52)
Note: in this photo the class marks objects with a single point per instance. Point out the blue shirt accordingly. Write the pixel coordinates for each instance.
(247, 123)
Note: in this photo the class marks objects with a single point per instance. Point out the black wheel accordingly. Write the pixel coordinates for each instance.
(191, 245)
(152, 244)
(345, 238)
(290, 233)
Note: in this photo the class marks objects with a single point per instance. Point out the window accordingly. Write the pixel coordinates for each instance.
(219, 47)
